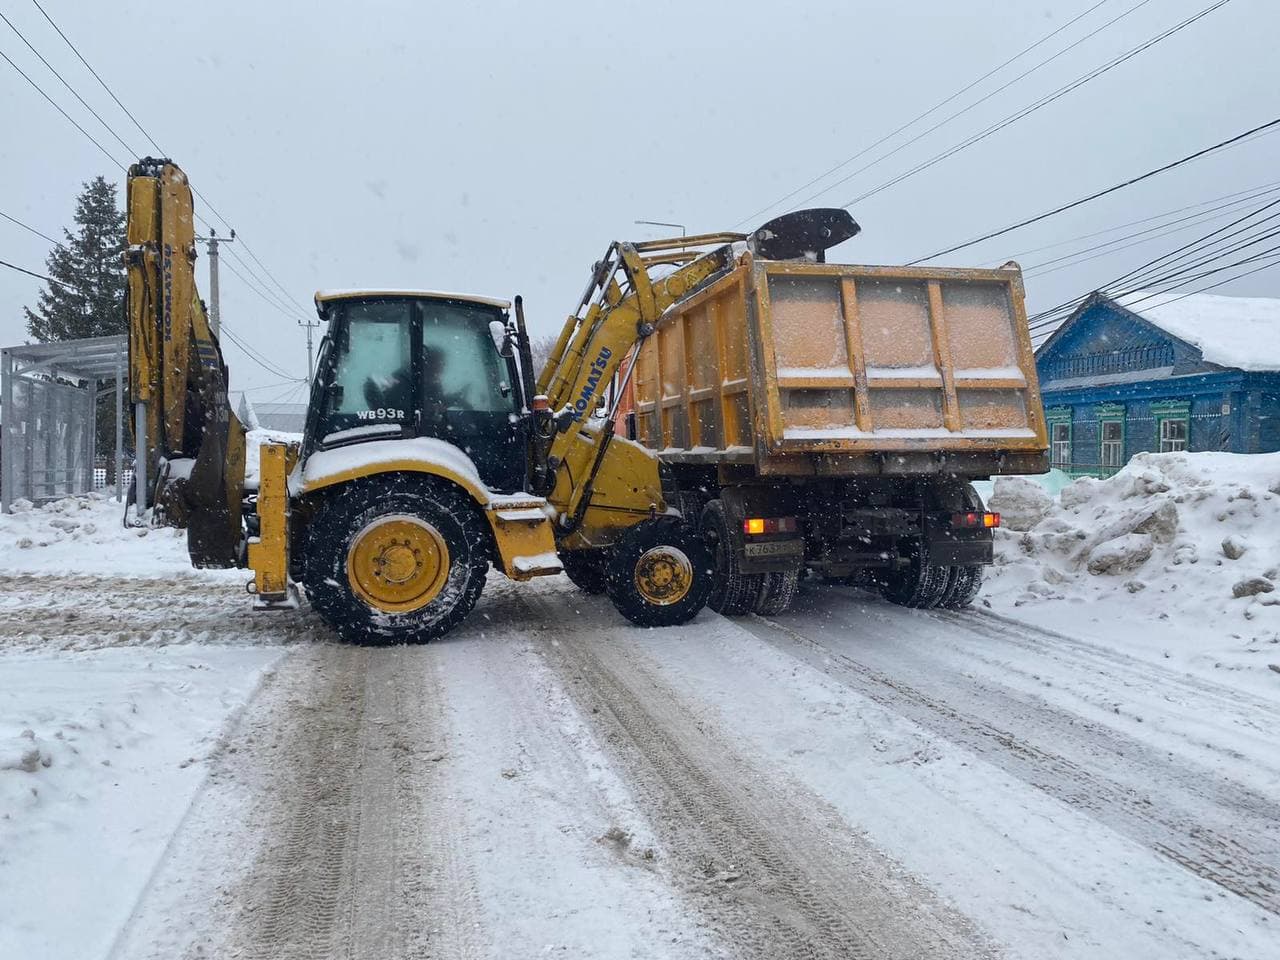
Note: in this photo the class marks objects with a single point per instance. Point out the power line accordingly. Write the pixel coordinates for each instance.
(205, 200)
(1110, 247)
(40, 90)
(1101, 193)
(935, 107)
(30, 229)
(1039, 104)
(976, 103)
(254, 355)
(32, 273)
(262, 296)
(84, 103)
(101, 82)
(1255, 191)
(281, 304)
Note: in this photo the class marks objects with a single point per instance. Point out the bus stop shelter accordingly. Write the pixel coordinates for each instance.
(49, 396)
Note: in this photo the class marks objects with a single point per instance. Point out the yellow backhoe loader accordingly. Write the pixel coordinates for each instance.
(429, 453)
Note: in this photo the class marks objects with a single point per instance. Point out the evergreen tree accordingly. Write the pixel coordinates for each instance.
(88, 300)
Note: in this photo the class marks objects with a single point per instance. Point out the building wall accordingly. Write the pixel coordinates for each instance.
(1110, 365)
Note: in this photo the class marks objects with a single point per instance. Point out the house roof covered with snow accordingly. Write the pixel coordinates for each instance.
(1241, 332)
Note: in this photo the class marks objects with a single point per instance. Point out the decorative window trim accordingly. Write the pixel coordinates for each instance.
(1166, 410)
(1110, 413)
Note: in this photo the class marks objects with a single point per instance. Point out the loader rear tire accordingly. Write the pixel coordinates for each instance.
(660, 573)
(588, 570)
(733, 592)
(777, 592)
(396, 559)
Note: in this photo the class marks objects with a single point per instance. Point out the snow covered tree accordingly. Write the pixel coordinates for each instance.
(88, 299)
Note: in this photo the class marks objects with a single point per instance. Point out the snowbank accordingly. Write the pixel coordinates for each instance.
(1178, 553)
(100, 755)
(86, 534)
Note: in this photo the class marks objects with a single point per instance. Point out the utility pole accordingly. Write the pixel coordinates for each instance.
(215, 316)
(310, 366)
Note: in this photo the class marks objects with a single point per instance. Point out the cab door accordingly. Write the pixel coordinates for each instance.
(467, 394)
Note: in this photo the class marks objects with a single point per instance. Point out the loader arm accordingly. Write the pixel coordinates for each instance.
(189, 446)
(621, 304)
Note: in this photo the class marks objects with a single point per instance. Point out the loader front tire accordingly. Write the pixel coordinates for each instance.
(660, 573)
(396, 559)
(733, 592)
(587, 569)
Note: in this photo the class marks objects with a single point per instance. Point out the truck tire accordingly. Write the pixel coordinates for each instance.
(733, 592)
(660, 574)
(777, 591)
(964, 583)
(588, 569)
(963, 586)
(396, 559)
(920, 584)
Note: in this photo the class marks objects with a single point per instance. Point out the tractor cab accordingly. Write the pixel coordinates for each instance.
(398, 364)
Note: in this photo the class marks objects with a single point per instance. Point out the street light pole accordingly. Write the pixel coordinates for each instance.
(663, 223)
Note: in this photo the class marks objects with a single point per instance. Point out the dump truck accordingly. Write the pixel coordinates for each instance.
(431, 454)
(830, 418)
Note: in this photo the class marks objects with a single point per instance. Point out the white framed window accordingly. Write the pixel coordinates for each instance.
(1173, 434)
(1112, 436)
(1060, 433)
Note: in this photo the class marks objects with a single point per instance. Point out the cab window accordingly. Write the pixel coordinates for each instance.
(372, 390)
(461, 370)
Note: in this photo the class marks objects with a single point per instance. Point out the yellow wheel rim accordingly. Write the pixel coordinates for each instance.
(663, 575)
(398, 563)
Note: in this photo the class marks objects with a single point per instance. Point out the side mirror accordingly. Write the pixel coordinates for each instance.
(501, 341)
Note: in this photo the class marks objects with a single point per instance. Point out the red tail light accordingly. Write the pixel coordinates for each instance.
(972, 520)
(760, 525)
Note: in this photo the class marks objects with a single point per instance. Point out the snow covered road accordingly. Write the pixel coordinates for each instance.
(849, 780)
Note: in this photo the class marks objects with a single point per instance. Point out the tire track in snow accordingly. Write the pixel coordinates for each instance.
(1221, 831)
(775, 871)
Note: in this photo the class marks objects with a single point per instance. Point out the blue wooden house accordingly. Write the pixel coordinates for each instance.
(1161, 372)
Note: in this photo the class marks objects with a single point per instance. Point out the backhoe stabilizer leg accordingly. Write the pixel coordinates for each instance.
(269, 550)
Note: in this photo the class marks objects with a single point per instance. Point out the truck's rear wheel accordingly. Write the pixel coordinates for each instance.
(777, 591)
(660, 573)
(399, 559)
(963, 586)
(587, 569)
(919, 584)
(733, 592)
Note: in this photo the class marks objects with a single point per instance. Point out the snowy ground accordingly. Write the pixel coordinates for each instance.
(850, 779)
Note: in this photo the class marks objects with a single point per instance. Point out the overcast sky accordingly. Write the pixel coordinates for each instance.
(497, 148)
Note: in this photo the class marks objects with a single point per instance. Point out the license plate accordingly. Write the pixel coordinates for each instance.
(777, 548)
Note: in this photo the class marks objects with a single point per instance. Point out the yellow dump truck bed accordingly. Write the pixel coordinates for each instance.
(813, 368)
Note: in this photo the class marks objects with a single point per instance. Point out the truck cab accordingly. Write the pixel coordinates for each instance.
(396, 364)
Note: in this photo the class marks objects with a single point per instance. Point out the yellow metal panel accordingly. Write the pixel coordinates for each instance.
(269, 551)
(177, 294)
(856, 352)
(942, 356)
(523, 539)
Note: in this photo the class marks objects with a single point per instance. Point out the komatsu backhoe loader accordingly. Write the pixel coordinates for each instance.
(429, 453)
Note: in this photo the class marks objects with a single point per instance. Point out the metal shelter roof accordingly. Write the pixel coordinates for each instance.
(93, 358)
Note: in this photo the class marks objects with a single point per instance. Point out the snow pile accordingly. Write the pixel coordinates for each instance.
(1187, 543)
(100, 754)
(86, 534)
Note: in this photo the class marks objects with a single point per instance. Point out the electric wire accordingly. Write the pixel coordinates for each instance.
(54, 104)
(84, 103)
(1254, 191)
(32, 273)
(1038, 104)
(1141, 274)
(937, 106)
(1269, 125)
(984, 99)
(30, 229)
(101, 82)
